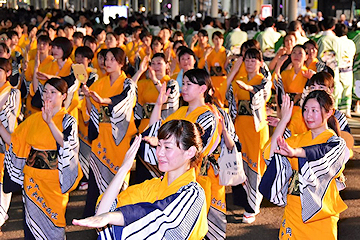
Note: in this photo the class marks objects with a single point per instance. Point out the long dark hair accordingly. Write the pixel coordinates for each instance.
(186, 134)
(201, 77)
(326, 103)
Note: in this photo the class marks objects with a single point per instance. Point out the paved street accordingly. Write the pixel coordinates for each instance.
(264, 228)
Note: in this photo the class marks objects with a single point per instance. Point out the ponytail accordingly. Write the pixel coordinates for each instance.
(333, 123)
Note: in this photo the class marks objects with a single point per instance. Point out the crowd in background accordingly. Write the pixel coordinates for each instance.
(89, 88)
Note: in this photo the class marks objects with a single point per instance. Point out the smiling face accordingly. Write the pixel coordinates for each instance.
(54, 96)
(159, 65)
(314, 116)
(218, 42)
(171, 158)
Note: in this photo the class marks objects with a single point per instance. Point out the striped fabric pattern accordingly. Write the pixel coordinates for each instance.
(216, 224)
(5, 200)
(208, 122)
(94, 117)
(172, 103)
(68, 154)
(84, 157)
(122, 109)
(173, 217)
(251, 186)
(287, 133)
(323, 163)
(102, 173)
(258, 101)
(275, 181)
(41, 226)
(341, 117)
(8, 114)
(232, 104)
(14, 166)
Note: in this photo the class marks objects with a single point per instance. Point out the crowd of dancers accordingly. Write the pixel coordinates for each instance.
(81, 102)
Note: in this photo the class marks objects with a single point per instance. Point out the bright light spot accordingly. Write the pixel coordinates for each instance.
(143, 9)
(168, 5)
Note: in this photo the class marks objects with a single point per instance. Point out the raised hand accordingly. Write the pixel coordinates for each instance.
(283, 59)
(153, 141)
(43, 76)
(308, 73)
(173, 63)
(47, 112)
(272, 121)
(163, 95)
(286, 108)
(144, 64)
(167, 53)
(238, 63)
(207, 52)
(37, 59)
(131, 153)
(282, 51)
(194, 39)
(284, 148)
(148, 50)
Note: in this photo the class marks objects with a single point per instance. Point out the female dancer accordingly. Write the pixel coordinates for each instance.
(110, 102)
(9, 111)
(47, 170)
(293, 80)
(148, 89)
(303, 169)
(247, 105)
(197, 88)
(175, 202)
(59, 67)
